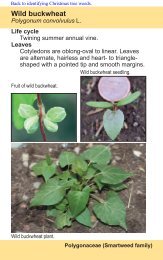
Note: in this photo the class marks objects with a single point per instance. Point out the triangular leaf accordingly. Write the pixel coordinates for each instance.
(78, 201)
(112, 175)
(50, 193)
(85, 218)
(130, 98)
(112, 211)
(63, 220)
(98, 154)
(44, 169)
(113, 122)
(66, 158)
(99, 104)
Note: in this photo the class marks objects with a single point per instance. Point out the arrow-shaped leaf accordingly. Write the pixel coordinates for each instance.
(113, 122)
(112, 211)
(98, 154)
(85, 218)
(78, 201)
(50, 193)
(66, 158)
(112, 175)
(44, 169)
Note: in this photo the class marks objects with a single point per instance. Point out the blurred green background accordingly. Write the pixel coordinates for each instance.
(67, 129)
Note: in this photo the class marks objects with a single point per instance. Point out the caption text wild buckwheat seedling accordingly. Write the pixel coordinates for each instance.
(117, 91)
(69, 187)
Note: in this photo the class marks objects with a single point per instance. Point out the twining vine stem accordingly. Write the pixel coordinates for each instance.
(41, 113)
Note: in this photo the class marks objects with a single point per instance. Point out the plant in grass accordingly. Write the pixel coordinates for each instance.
(76, 179)
(26, 116)
(116, 90)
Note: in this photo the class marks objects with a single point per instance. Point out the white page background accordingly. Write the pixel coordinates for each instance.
(149, 42)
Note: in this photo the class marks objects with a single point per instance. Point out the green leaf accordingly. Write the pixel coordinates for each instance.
(113, 122)
(49, 160)
(44, 169)
(26, 111)
(78, 201)
(56, 114)
(112, 211)
(76, 184)
(90, 173)
(50, 193)
(99, 104)
(18, 99)
(62, 205)
(130, 98)
(31, 124)
(53, 212)
(98, 154)
(64, 175)
(63, 220)
(66, 158)
(98, 182)
(85, 218)
(50, 126)
(79, 166)
(118, 187)
(113, 175)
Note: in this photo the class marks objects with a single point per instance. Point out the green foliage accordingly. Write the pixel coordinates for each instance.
(84, 218)
(78, 200)
(56, 114)
(17, 100)
(45, 169)
(66, 158)
(113, 118)
(111, 211)
(98, 154)
(113, 122)
(129, 99)
(50, 126)
(50, 193)
(25, 115)
(99, 104)
(26, 111)
(31, 124)
(69, 187)
(63, 220)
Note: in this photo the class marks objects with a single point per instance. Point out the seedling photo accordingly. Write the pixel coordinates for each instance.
(113, 108)
(78, 188)
(43, 117)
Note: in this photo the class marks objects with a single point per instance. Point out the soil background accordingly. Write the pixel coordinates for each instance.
(135, 113)
(130, 157)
